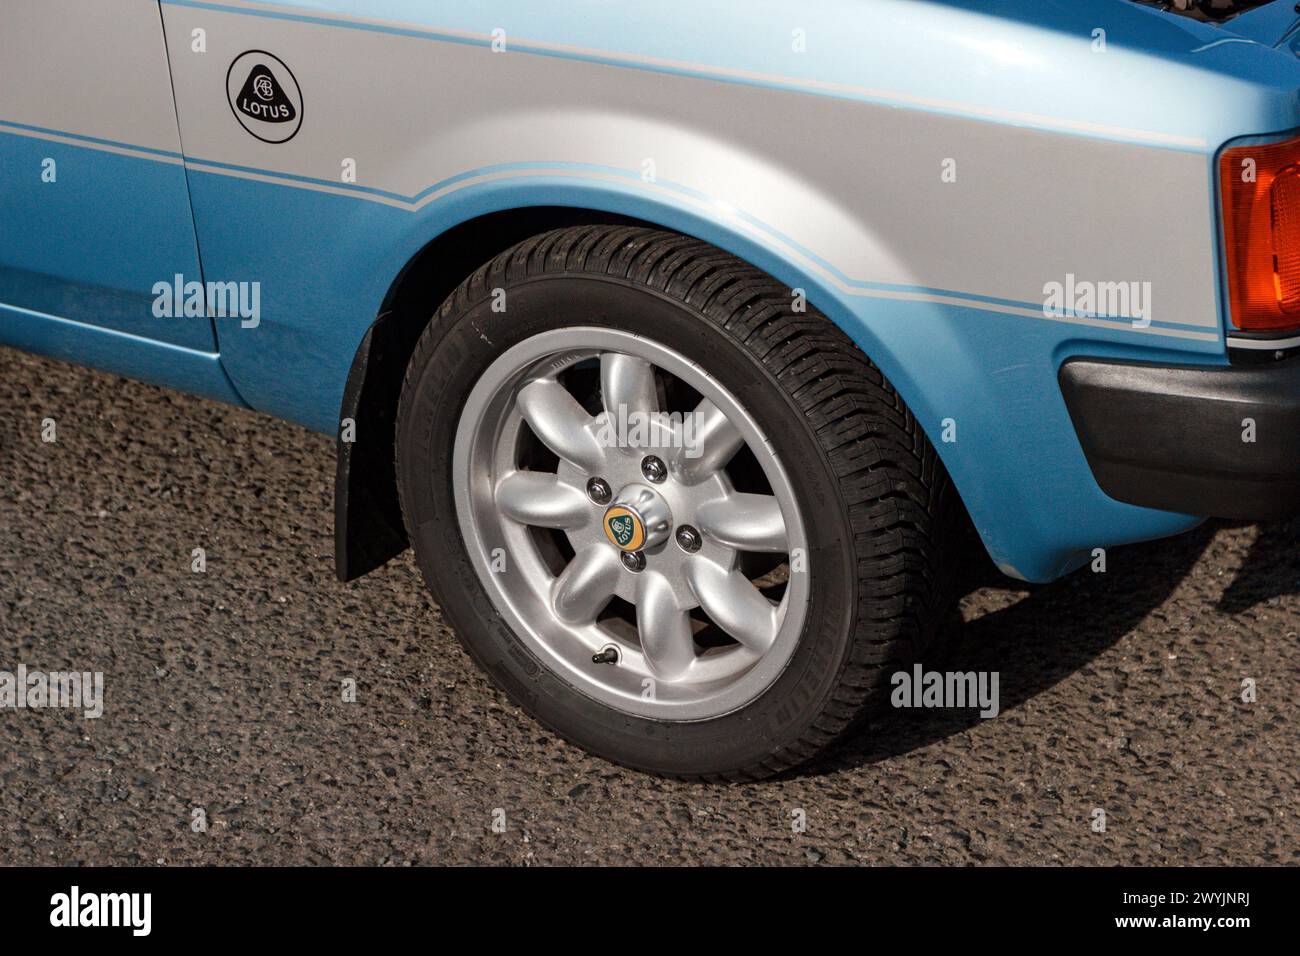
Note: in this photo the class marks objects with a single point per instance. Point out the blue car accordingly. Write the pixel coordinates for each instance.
(681, 340)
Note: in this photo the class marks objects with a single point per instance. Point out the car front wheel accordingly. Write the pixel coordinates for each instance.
(684, 523)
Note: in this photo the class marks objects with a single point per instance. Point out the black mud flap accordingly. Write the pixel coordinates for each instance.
(368, 529)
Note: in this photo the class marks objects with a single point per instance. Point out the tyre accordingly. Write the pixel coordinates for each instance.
(686, 526)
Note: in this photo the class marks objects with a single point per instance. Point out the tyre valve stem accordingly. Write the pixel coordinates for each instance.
(608, 656)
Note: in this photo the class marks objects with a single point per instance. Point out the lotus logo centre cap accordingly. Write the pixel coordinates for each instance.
(624, 528)
(264, 96)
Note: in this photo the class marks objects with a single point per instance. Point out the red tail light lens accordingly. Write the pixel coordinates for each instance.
(1261, 225)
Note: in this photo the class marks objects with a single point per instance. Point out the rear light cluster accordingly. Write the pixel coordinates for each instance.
(1261, 225)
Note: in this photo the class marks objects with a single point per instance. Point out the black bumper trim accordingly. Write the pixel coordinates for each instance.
(1171, 437)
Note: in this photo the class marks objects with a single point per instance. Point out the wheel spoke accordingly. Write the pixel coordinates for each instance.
(735, 604)
(585, 586)
(542, 500)
(713, 442)
(744, 522)
(627, 385)
(665, 628)
(560, 422)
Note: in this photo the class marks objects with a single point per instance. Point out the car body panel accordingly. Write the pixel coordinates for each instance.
(1274, 24)
(91, 163)
(825, 167)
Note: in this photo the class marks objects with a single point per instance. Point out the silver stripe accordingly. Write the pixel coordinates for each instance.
(1023, 212)
(86, 65)
(1263, 345)
(795, 83)
(737, 222)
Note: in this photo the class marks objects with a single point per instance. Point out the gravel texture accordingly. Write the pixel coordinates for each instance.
(1120, 691)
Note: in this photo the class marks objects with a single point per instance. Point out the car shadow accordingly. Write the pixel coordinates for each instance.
(1271, 568)
(1041, 635)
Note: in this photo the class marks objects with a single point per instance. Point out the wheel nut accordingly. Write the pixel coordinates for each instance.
(688, 539)
(598, 491)
(633, 560)
(654, 469)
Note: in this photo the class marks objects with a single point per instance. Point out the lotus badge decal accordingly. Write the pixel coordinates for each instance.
(264, 96)
(624, 529)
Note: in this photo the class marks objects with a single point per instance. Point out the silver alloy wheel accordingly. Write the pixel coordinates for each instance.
(553, 597)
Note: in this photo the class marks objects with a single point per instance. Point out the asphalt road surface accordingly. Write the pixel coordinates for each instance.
(1120, 692)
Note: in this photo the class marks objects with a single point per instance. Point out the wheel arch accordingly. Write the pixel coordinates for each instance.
(368, 529)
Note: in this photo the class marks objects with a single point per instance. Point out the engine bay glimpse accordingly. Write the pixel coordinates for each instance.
(1205, 9)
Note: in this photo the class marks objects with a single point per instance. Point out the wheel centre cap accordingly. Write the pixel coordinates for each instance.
(637, 519)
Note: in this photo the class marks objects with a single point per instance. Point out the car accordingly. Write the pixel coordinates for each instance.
(680, 341)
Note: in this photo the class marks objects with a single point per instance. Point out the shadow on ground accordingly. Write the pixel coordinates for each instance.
(1048, 632)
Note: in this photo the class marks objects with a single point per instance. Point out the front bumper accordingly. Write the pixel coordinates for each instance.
(1173, 437)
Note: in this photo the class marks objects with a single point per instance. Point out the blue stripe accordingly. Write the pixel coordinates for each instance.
(193, 161)
(328, 22)
(94, 140)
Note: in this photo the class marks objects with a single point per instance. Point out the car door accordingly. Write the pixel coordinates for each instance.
(95, 220)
